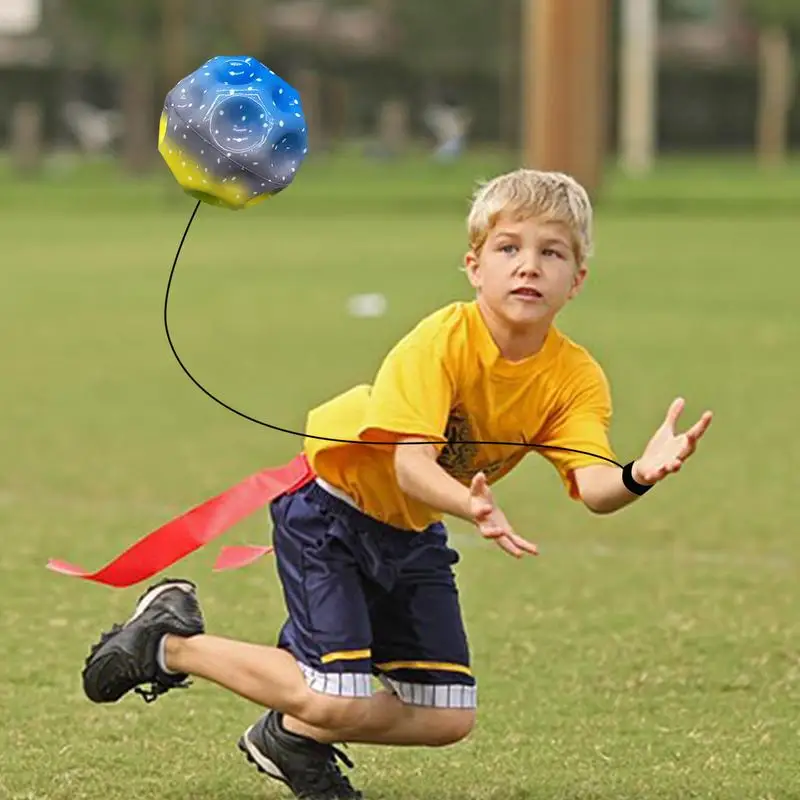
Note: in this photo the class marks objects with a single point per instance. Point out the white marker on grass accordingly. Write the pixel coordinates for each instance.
(367, 305)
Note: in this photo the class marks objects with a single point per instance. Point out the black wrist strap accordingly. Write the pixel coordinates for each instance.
(630, 484)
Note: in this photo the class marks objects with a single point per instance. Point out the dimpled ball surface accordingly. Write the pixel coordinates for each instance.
(233, 132)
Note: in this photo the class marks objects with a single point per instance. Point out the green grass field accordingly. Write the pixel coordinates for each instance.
(651, 654)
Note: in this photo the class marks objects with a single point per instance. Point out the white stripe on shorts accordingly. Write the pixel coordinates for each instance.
(338, 684)
(447, 695)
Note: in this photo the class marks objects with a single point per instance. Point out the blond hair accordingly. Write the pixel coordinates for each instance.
(553, 196)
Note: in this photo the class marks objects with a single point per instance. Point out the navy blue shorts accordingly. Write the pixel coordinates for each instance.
(365, 598)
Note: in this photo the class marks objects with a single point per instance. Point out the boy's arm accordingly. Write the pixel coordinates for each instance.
(420, 477)
(602, 488)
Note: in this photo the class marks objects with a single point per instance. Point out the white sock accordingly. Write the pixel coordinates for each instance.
(161, 657)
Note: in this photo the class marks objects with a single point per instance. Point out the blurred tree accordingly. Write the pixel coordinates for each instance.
(125, 37)
(250, 33)
(510, 12)
(174, 44)
(778, 22)
(447, 37)
(149, 45)
(777, 13)
(462, 50)
(220, 27)
(689, 10)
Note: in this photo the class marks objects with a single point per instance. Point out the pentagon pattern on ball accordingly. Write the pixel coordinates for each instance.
(233, 132)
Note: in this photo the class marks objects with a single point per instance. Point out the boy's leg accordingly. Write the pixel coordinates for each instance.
(270, 677)
(328, 634)
(322, 557)
(420, 651)
(267, 676)
(163, 644)
(168, 619)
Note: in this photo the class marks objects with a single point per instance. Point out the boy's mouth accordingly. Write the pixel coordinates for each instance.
(528, 291)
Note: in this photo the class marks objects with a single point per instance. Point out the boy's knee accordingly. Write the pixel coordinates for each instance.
(449, 726)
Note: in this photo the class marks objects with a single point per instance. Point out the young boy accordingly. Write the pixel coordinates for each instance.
(361, 549)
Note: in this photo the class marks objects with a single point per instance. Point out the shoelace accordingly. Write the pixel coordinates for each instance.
(157, 689)
(332, 779)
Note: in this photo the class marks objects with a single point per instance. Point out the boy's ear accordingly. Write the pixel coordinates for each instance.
(471, 264)
(578, 281)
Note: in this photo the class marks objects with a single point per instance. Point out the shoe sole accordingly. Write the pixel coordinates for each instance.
(258, 759)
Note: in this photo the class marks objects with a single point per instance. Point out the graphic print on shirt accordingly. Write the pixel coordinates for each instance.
(461, 460)
(458, 459)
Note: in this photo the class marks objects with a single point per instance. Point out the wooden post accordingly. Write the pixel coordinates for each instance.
(774, 96)
(308, 84)
(339, 91)
(26, 137)
(638, 80)
(139, 98)
(565, 69)
(173, 42)
(393, 124)
(589, 96)
(547, 65)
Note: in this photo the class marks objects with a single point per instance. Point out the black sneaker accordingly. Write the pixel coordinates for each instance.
(307, 767)
(127, 655)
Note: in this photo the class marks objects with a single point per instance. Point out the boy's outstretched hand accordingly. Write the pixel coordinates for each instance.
(667, 450)
(492, 522)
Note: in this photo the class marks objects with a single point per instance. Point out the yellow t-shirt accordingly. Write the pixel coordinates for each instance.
(447, 380)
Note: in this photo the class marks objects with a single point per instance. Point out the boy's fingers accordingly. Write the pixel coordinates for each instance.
(510, 542)
(508, 545)
(699, 428)
(674, 411)
(524, 544)
(478, 485)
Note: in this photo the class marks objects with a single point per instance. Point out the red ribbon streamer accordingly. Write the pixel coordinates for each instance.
(238, 556)
(196, 528)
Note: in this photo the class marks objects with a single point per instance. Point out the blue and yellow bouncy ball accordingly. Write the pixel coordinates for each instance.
(233, 132)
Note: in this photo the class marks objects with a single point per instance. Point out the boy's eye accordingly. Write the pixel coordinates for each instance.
(508, 248)
(550, 252)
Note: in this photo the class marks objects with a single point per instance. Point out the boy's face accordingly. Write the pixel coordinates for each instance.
(526, 271)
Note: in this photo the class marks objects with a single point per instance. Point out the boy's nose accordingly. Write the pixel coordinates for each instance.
(529, 265)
